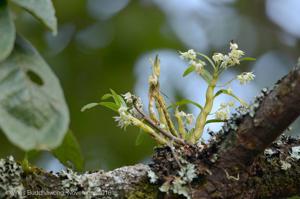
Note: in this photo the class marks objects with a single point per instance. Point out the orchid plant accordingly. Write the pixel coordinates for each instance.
(177, 128)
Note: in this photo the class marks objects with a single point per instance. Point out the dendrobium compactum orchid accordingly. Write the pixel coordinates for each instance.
(176, 127)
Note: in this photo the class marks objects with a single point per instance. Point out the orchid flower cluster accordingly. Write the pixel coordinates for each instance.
(177, 127)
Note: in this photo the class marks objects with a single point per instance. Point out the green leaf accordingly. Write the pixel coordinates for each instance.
(43, 10)
(224, 91)
(89, 106)
(214, 121)
(7, 31)
(33, 114)
(106, 96)
(188, 70)
(208, 59)
(248, 59)
(69, 152)
(184, 102)
(204, 73)
(117, 98)
(110, 105)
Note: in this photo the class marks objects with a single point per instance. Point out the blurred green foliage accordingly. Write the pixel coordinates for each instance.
(86, 74)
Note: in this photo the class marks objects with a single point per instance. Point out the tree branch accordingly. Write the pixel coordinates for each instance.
(125, 182)
(250, 134)
(275, 113)
(236, 163)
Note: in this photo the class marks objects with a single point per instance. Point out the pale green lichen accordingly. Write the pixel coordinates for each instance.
(285, 165)
(84, 185)
(179, 185)
(152, 176)
(295, 152)
(188, 173)
(269, 152)
(165, 187)
(10, 179)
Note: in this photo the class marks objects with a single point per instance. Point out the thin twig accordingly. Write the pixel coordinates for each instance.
(165, 133)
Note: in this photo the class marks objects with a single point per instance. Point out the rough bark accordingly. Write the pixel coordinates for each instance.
(243, 160)
(276, 110)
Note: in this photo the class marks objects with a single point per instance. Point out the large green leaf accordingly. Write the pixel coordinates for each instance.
(33, 111)
(69, 152)
(42, 10)
(7, 31)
